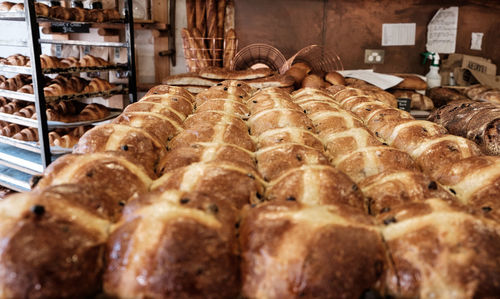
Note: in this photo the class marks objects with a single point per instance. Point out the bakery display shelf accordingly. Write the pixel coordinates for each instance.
(17, 95)
(29, 122)
(23, 121)
(42, 20)
(14, 179)
(12, 16)
(20, 159)
(14, 43)
(30, 146)
(84, 43)
(15, 69)
(78, 96)
(92, 69)
(59, 124)
(27, 69)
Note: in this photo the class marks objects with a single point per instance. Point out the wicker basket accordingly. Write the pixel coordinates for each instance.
(318, 57)
(207, 52)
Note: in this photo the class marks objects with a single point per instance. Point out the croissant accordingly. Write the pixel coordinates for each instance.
(15, 82)
(98, 85)
(77, 14)
(95, 15)
(66, 107)
(70, 62)
(3, 101)
(17, 7)
(55, 90)
(2, 78)
(66, 141)
(6, 6)
(93, 111)
(27, 111)
(28, 88)
(11, 107)
(53, 136)
(50, 62)
(91, 61)
(111, 14)
(61, 13)
(79, 131)
(10, 130)
(27, 134)
(18, 59)
(42, 9)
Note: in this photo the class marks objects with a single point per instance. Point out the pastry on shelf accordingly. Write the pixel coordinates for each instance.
(56, 90)
(92, 61)
(49, 62)
(27, 134)
(18, 7)
(75, 83)
(93, 111)
(17, 59)
(28, 88)
(70, 62)
(60, 13)
(95, 15)
(4, 101)
(111, 14)
(6, 6)
(42, 9)
(27, 111)
(11, 107)
(98, 85)
(10, 130)
(77, 14)
(15, 82)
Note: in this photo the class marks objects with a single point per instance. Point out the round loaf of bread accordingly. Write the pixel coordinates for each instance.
(438, 249)
(174, 244)
(52, 245)
(292, 250)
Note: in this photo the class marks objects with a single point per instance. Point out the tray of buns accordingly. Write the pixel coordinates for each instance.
(59, 124)
(11, 10)
(100, 94)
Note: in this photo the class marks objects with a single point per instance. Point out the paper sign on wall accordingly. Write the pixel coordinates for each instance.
(399, 34)
(442, 31)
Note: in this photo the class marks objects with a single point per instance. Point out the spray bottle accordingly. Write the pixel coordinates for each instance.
(433, 77)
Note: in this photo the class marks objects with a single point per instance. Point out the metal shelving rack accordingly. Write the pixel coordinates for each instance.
(20, 160)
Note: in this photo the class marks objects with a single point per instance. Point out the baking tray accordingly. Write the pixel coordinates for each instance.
(27, 70)
(104, 94)
(59, 124)
(32, 146)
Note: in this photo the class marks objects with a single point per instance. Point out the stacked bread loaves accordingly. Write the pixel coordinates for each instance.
(259, 195)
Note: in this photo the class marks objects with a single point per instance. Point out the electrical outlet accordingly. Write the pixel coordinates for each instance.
(374, 56)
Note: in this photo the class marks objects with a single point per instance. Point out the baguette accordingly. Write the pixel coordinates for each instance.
(221, 13)
(190, 49)
(201, 51)
(200, 17)
(229, 48)
(191, 14)
(211, 10)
